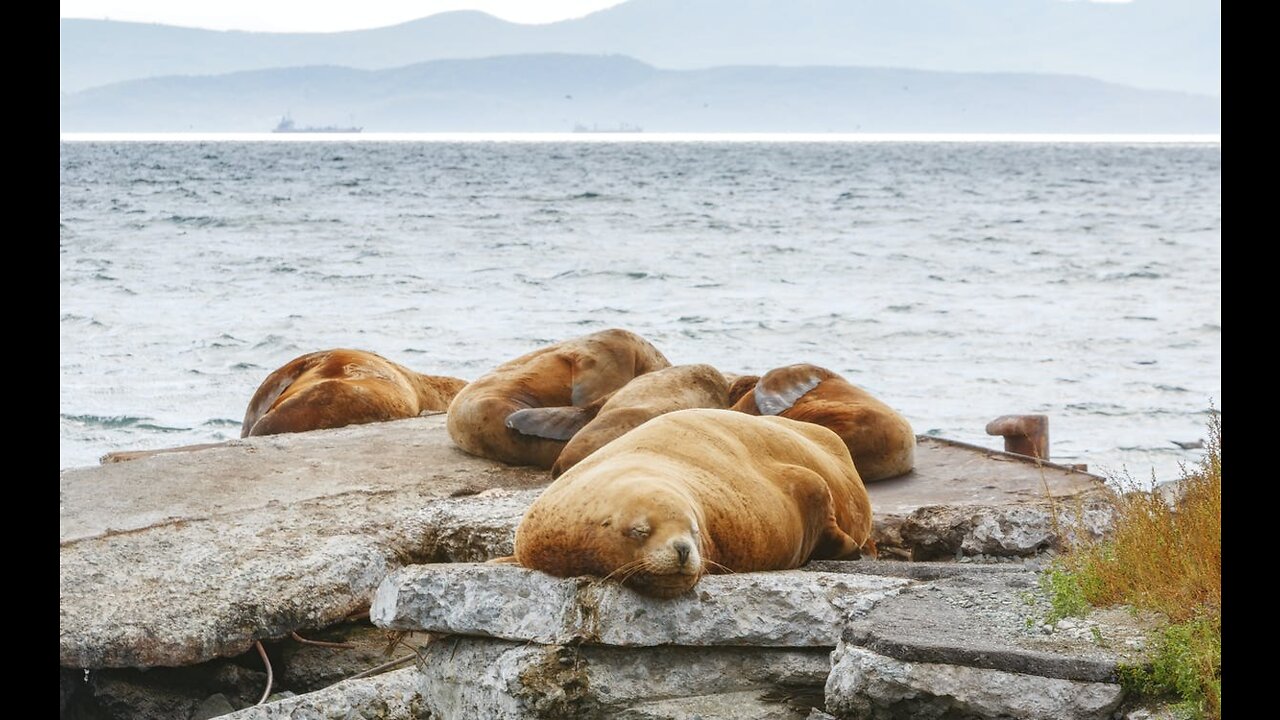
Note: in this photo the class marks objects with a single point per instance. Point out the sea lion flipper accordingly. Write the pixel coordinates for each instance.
(553, 423)
(776, 393)
(504, 560)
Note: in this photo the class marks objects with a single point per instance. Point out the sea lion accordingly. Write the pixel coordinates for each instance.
(881, 441)
(699, 491)
(524, 410)
(333, 388)
(739, 385)
(675, 388)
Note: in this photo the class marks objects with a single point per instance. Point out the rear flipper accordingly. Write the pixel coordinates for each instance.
(776, 392)
(553, 423)
(836, 544)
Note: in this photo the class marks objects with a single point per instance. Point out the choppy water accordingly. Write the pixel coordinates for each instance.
(956, 281)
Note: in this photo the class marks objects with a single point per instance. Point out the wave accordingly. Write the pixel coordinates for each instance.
(117, 422)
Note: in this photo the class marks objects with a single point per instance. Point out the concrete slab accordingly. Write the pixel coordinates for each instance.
(788, 608)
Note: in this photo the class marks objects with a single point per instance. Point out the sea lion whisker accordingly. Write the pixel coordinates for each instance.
(623, 568)
(725, 568)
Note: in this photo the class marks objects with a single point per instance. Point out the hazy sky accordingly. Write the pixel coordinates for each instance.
(318, 15)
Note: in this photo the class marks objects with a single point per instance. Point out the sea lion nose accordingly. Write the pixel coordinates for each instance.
(682, 549)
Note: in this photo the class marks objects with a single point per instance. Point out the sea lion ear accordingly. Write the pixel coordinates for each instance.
(553, 423)
(776, 393)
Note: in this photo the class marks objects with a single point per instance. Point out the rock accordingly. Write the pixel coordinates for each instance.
(391, 696)
(930, 623)
(965, 499)
(1023, 529)
(914, 570)
(723, 706)
(305, 668)
(790, 608)
(500, 680)
(865, 684)
(213, 706)
(176, 559)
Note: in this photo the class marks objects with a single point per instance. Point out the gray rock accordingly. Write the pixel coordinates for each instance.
(213, 706)
(179, 558)
(789, 608)
(964, 499)
(985, 621)
(500, 680)
(864, 684)
(1016, 530)
(923, 570)
(391, 696)
(750, 705)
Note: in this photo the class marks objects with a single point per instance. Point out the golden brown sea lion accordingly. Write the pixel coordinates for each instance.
(881, 441)
(524, 410)
(333, 388)
(695, 492)
(740, 385)
(644, 398)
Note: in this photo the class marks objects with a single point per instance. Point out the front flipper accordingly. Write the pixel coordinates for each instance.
(553, 423)
(777, 393)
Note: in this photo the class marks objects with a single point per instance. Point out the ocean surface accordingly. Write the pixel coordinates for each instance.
(956, 281)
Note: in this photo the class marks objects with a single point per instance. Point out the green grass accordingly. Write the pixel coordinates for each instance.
(1168, 560)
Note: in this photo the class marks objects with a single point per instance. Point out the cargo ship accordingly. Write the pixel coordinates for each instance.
(287, 126)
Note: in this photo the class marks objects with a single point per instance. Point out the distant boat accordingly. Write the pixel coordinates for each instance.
(622, 128)
(287, 126)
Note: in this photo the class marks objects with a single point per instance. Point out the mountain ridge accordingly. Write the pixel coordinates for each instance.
(553, 92)
(1173, 44)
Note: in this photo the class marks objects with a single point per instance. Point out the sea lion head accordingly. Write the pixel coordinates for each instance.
(646, 533)
(661, 534)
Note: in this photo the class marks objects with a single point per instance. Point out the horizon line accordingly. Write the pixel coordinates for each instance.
(643, 137)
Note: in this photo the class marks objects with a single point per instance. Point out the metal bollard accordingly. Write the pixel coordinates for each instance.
(1023, 434)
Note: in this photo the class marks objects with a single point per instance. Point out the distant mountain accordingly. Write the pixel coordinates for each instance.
(553, 92)
(1169, 44)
